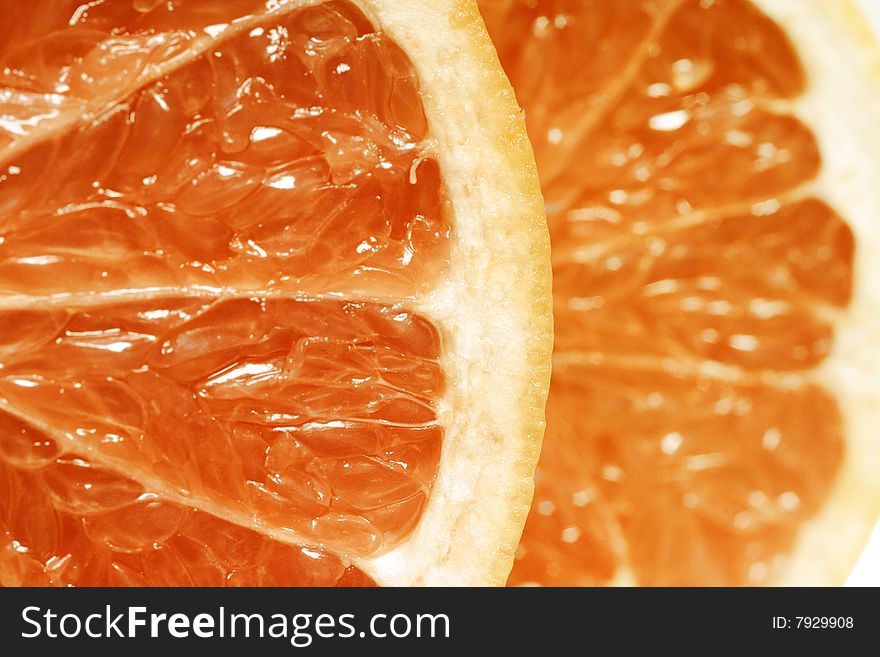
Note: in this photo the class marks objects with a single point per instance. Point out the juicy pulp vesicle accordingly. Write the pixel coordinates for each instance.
(213, 222)
(288, 156)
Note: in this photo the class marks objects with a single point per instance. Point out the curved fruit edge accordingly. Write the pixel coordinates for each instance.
(494, 310)
(842, 106)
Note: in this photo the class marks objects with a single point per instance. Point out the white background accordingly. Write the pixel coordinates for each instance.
(867, 571)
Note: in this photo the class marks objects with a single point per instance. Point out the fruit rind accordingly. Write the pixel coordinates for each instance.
(494, 312)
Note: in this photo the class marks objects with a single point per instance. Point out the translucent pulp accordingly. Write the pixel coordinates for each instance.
(695, 282)
(213, 217)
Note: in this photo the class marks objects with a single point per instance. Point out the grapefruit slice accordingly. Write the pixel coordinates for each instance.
(274, 295)
(711, 183)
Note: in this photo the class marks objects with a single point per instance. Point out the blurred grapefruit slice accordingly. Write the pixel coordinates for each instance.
(274, 295)
(712, 186)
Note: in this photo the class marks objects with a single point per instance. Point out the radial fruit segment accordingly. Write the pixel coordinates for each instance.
(696, 282)
(214, 217)
(284, 154)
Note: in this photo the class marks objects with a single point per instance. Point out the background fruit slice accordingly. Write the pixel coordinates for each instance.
(247, 252)
(711, 192)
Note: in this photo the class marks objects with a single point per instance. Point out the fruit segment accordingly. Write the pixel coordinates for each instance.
(81, 525)
(285, 154)
(299, 420)
(696, 282)
(214, 218)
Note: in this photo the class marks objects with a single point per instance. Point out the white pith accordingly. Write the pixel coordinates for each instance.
(842, 108)
(486, 316)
